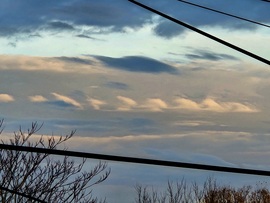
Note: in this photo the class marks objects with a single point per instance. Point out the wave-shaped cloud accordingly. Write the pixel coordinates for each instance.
(209, 104)
(159, 105)
(66, 100)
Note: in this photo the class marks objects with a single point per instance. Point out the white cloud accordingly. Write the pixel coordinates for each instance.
(127, 103)
(209, 104)
(37, 98)
(187, 104)
(6, 98)
(96, 104)
(67, 100)
(155, 104)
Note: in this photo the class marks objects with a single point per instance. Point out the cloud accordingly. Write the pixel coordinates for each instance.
(6, 98)
(193, 123)
(138, 64)
(155, 104)
(66, 101)
(37, 98)
(178, 104)
(96, 104)
(168, 29)
(101, 16)
(54, 64)
(209, 104)
(151, 104)
(202, 18)
(187, 104)
(87, 37)
(58, 25)
(207, 55)
(65, 16)
(234, 147)
(117, 85)
(127, 103)
(75, 60)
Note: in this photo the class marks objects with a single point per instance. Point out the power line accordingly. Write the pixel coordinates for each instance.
(136, 160)
(227, 14)
(21, 194)
(204, 33)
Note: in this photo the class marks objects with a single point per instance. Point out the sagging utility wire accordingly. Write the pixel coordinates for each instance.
(136, 160)
(243, 51)
(227, 14)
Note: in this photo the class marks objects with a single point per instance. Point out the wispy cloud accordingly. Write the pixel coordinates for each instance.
(67, 100)
(5, 98)
(208, 55)
(222, 144)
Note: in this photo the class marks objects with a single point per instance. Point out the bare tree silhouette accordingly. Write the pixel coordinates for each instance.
(42, 176)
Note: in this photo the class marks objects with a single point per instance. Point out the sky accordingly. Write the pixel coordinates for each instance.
(132, 83)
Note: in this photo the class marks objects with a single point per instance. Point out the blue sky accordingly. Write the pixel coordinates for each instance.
(132, 83)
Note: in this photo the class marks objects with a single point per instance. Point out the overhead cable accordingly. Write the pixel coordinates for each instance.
(136, 160)
(203, 33)
(227, 14)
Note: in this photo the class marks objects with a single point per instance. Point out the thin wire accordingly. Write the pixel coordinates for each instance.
(203, 33)
(136, 160)
(22, 194)
(234, 16)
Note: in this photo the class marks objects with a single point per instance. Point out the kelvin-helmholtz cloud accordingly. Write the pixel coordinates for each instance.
(115, 16)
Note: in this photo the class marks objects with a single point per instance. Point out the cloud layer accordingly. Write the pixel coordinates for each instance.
(86, 18)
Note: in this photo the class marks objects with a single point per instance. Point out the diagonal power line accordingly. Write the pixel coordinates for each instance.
(252, 55)
(136, 160)
(227, 14)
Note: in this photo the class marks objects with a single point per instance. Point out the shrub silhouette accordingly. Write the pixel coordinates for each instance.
(210, 192)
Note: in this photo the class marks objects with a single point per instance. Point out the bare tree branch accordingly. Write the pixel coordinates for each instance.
(42, 176)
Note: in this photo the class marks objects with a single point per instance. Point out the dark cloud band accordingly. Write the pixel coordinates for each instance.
(137, 64)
